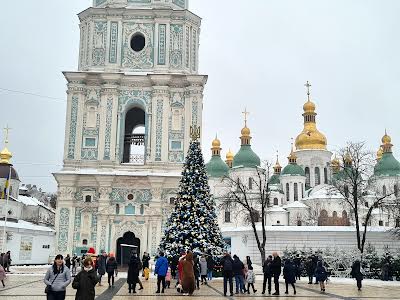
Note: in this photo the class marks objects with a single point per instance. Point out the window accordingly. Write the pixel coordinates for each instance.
(142, 209)
(326, 175)
(397, 225)
(176, 145)
(380, 223)
(172, 201)
(302, 191)
(176, 120)
(296, 192)
(84, 242)
(384, 190)
(276, 201)
(91, 117)
(46, 246)
(307, 171)
(396, 190)
(250, 183)
(298, 222)
(117, 209)
(90, 142)
(334, 214)
(317, 176)
(278, 222)
(138, 42)
(287, 192)
(88, 198)
(130, 197)
(227, 216)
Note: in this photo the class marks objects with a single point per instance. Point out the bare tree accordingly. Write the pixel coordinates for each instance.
(355, 182)
(250, 198)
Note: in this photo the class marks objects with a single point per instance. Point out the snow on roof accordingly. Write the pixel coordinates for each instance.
(296, 204)
(305, 228)
(32, 201)
(27, 225)
(323, 191)
(276, 209)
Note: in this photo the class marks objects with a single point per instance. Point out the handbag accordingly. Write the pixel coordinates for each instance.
(48, 287)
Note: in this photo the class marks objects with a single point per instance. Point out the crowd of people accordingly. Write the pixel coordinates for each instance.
(189, 270)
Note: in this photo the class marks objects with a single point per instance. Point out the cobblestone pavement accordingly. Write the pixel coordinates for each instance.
(31, 287)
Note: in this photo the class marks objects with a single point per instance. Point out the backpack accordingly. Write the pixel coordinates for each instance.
(228, 266)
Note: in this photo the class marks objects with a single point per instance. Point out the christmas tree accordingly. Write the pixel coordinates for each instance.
(193, 223)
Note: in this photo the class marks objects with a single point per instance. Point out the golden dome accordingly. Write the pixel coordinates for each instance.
(245, 131)
(386, 139)
(230, 155)
(216, 143)
(348, 159)
(309, 107)
(310, 138)
(379, 153)
(5, 156)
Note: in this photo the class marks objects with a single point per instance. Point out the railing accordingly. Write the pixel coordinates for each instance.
(136, 159)
(134, 139)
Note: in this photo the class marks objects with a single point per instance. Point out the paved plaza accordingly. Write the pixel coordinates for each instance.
(28, 285)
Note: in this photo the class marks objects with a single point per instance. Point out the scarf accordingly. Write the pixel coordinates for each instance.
(87, 269)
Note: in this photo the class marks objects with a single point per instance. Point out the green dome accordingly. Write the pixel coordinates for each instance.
(293, 169)
(388, 165)
(274, 179)
(216, 167)
(246, 158)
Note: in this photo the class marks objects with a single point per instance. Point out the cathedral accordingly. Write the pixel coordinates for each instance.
(130, 106)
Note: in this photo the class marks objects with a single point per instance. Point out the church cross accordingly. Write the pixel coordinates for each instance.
(245, 113)
(308, 85)
(6, 134)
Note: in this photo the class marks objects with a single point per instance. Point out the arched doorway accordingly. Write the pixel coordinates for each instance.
(134, 136)
(124, 252)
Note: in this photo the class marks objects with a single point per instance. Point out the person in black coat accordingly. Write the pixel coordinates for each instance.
(196, 270)
(248, 262)
(267, 274)
(289, 274)
(227, 272)
(210, 267)
(310, 269)
(357, 273)
(276, 268)
(133, 273)
(314, 265)
(297, 264)
(238, 269)
(111, 267)
(68, 261)
(145, 261)
(85, 281)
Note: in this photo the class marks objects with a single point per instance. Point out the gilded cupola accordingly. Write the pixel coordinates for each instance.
(388, 165)
(216, 167)
(310, 137)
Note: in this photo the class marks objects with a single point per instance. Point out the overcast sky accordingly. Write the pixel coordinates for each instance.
(257, 56)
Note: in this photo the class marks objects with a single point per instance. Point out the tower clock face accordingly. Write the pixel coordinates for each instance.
(138, 42)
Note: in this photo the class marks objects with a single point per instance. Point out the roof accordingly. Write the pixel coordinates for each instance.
(323, 191)
(296, 204)
(388, 165)
(276, 209)
(32, 201)
(294, 170)
(274, 179)
(27, 225)
(216, 167)
(246, 158)
(5, 171)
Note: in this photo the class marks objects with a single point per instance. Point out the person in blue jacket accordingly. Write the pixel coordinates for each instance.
(161, 270)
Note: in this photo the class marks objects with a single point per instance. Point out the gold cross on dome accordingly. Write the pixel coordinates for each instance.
(308, 85)
(6, 134)
(246, 113)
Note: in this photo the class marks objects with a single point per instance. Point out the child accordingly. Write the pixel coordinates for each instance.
(146, 272)
(2, 275)
(250, 278)
(85, 281)
(168, 278)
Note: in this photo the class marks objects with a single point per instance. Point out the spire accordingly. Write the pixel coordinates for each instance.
(5, 154)
(277, 167)
(245, 137)
(292, 156)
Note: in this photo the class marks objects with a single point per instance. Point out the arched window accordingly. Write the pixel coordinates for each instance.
(396, 190)
(317, 176)
(172, 200)
(276, 201)
(384, 190)
(88, 198)
(84, 242)
(227, 216)
(250, 183)
(117, 209)
(134, 137)
(296, 192)
(302, 190)
(326, 175)
(334, 214)
(324, 213)
(287, 192)
(344, 214)
(307, 171)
